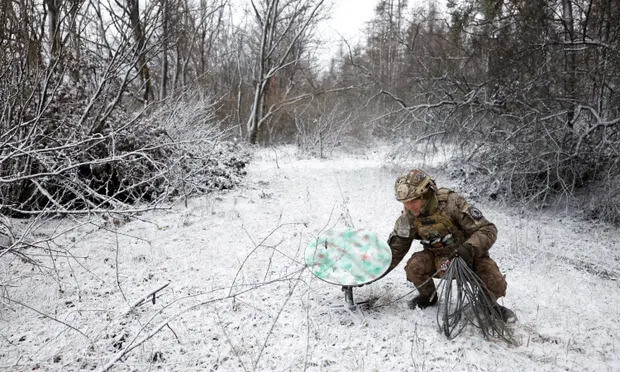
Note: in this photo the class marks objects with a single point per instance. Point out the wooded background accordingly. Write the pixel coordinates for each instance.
(105, 103)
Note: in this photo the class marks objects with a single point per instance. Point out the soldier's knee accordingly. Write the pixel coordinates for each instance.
(489, 273)
(417, 269)
(497, 285)
(414, 272)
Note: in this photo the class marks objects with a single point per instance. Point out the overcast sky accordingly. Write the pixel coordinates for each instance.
(348, 18)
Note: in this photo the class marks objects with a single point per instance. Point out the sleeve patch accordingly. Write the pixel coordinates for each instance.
(475, 213)
(403, 227)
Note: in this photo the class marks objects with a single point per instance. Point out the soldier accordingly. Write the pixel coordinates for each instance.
(447, 226)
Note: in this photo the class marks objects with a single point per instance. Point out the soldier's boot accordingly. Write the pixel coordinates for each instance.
(422, 302)
(507, 315)
(427, 295)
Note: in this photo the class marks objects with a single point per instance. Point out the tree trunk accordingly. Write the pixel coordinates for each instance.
(570, 59)
(164, 57)
(256, 115)
(53, 9)
(138, 34)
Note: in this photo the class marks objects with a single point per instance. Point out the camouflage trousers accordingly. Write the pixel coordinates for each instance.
(422, 265)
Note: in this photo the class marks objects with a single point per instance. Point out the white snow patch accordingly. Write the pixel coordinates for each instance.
(562, 275)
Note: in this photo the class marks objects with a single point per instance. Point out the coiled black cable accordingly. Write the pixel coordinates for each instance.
(467, 301)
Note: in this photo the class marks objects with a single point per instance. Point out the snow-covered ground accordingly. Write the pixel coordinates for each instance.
(239, 297)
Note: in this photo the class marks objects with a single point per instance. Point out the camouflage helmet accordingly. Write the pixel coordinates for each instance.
(412, 185)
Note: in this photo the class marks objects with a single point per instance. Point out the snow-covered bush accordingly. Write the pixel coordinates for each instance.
(529, 164)
(327, 126)
(603, 201)
(60, 162)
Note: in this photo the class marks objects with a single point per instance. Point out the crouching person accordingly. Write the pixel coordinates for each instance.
(447, 226)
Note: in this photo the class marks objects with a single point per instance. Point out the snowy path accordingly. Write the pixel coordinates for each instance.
(562, 276)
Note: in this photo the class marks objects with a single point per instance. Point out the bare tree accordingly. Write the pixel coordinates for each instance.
(133, 13)
(284, 30)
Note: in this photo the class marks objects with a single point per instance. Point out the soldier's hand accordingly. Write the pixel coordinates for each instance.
(465, 251)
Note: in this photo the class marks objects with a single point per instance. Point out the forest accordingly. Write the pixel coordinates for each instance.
(106, 103)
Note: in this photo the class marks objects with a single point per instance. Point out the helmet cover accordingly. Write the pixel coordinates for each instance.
(412, 185)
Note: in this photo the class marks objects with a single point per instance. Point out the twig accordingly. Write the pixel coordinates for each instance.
(276, 320)
(145, 297)
(47, 316)
(254, 250)
(174, 333)
(132, 345)
(274, 151)
(232, 346)
(118, 282)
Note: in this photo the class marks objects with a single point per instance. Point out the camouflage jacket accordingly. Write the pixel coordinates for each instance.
(450, 221)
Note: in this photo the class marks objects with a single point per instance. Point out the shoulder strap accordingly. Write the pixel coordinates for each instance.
(443, 193)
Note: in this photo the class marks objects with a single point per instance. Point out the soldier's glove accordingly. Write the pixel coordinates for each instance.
(466, 252)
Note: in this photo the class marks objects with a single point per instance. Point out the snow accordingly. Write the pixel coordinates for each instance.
(239, 297)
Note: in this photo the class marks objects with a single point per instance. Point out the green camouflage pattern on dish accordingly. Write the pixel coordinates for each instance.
(348, 256)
